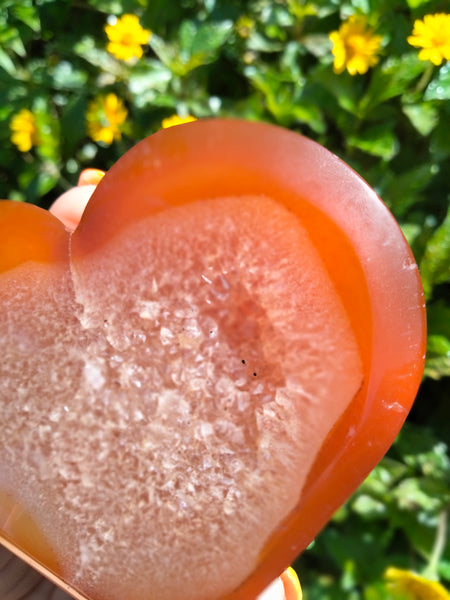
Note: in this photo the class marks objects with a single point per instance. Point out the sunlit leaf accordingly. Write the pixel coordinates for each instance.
(392, 79)
(439, 88)
(25, 12)
(435, 264)
(379, 140)
(437, 368)
(424, 116)
(65, 76)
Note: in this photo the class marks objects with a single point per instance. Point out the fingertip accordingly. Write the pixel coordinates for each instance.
(69, 207)
(90, 177)
(275, 591)
(291, 583)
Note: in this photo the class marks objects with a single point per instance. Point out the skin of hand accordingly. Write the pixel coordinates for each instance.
(69, 208)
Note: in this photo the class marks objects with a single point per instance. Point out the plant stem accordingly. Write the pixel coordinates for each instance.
(425, 79)
(431, 571)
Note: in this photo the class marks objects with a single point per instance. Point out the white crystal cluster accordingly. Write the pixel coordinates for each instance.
(160, 404)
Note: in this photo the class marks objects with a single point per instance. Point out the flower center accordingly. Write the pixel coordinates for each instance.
(128, 39)
(356, 45)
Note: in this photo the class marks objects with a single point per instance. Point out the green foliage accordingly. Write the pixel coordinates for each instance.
(272, 60)
(398, 516)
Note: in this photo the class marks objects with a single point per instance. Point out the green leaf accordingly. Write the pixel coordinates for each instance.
(310, 114)
(37, 183)
(438, 345)
(368, 507)
(259, 43)
(424, 117)
(378, 140)
(73, 123)
(413, 4)
(186, 36)
(438, 318)
(440, 139)
(419, 494)
(26, 13)
(405, 188)
(282, 90)
(45, 181)
(444, 569)
(342, 87)
(148, 81)
(411, 231)
(48, 127)
(385, 476)
(197, 45)
(210, 37)
(423, 452)
(437, 364)
(439, 88)
(98, 57)
(435, 264)
(437, 368)
(391, 79)
(67, 77)
(318, 44)
(6, 63)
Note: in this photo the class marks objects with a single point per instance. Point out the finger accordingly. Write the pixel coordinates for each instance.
(90, 176)
(275, 591)
(286, 587)
(69, 207)
(291, 583)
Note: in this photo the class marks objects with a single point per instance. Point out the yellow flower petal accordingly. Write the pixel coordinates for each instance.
(176, 120)
(355, 46)
(24, 132)
(415, 586)
(432, 34)
(105, 118)
(126, 37)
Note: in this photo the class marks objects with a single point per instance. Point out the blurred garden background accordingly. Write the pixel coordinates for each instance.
(82, 81)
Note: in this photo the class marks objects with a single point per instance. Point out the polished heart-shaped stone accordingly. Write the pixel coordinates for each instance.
(199, 375)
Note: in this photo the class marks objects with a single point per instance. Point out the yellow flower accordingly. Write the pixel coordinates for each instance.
(105, 118)
(176, 120)
(415, 586)
(126, 37)
(244, 26)
(355, 47)
(433, 36)
(24, 132)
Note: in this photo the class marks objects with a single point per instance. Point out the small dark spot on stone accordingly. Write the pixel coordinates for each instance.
(254, 374)
(243, 361)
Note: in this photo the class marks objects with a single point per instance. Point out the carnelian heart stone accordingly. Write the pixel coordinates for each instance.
(198, 376)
